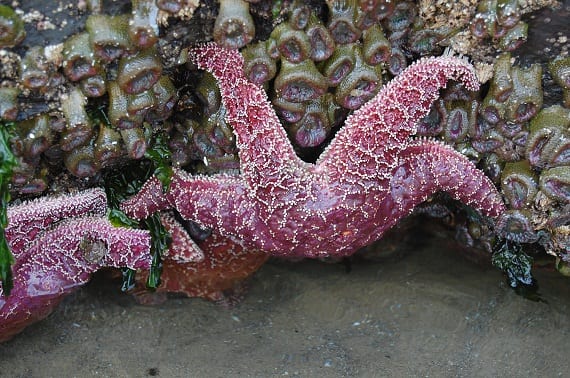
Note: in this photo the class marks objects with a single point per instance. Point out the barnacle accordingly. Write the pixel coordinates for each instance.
(207, 140)
(259, 67)
(559, 152)
(139, 72)
(360, 84)
(432, 124)
(78, 129)
(9, 103)
(500, 20)
(287, 110)
(215, 142)
(81, 161)
(514, 37)
(508, 13)
(292, 44)
(560, 70)
(515, 225)
(526, 99)
(108, 35)
(209, 93)
(107, 147)
(298, 82)
(165, 97)
(515, 94)
(299, 15)
(339, 64)
(402, 17)
(78, 59)
(139, 104)
(178, 144)
(11, 27)
(376, 48)
(117, 110)
(219, 134)
(322, 43)
(342, 21)
(502, 83)
(397, 62)
(135, 142)
(490, 142)
(423, 41)
(94, 86)
(315, 125)
(143, 27)
(27, 179)
(33, 136)
(372, 12)
(35, 69)
(555, 183)
(548, 136)
(234, 27)
(461, 115)
(519, 184)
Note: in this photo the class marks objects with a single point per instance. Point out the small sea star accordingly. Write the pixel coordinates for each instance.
(58, 242)
(370, 176)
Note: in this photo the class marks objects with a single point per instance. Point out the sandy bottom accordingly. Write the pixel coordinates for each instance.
(428, 312)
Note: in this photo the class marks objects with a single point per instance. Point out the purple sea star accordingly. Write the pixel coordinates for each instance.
(58, 243)
(371, 175)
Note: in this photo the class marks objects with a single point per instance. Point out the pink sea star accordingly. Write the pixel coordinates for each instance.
(58, 242)
(371, 175)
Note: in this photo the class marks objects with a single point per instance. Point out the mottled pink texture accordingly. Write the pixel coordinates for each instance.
(370, 176)
(28, 219)
(55, 255)
(182, 248)
(219, 275)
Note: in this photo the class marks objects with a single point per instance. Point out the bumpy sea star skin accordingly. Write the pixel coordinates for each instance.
(371, 175)
(182, 248)
(55, 255)
(27, 220)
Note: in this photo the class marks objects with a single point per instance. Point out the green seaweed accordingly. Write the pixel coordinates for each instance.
(7, 163)
(160, 242)
(119, 185)
(517, 265)
(159, 154)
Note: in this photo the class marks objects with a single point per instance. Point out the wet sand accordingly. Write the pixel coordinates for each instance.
(428, 312)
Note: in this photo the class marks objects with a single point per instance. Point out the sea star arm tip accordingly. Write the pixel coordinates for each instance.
(428, 166)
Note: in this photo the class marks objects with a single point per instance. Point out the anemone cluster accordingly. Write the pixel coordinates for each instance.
(523, 147)
(321, 70)
(500, 20)
(201, 137)
(114, 96)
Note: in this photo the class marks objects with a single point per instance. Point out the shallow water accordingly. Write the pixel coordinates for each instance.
(430, 312)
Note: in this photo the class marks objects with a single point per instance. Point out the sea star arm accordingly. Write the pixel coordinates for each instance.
(182, 249)
(266, 154)
(367, 147)
(218, 202)
(430, 166)
(28, 219)
(150, 199)
(60, 260)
